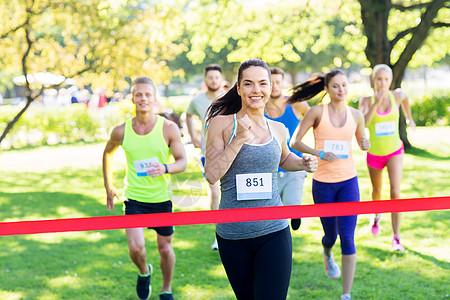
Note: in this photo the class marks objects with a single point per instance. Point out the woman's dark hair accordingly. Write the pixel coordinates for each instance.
(230, 103)
(313, 86)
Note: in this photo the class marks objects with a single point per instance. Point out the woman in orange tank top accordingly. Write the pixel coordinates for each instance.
(335, 180)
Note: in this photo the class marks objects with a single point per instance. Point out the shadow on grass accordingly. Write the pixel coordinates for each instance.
(434, 260)
(425, 154)
(95, 264)
(47, 205)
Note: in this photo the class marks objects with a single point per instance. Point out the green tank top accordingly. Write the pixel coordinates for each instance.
(140, 150)
(384, 135)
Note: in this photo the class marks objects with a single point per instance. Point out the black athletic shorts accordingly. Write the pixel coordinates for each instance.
(133, 207)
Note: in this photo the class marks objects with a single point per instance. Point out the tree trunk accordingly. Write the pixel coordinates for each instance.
(16, 118)
(398, 74)
(375, 14)
(293, 74)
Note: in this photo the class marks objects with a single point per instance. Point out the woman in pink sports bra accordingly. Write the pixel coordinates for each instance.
(381, 114)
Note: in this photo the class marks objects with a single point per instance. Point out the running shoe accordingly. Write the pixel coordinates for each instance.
(166, 296)
(215, 245)
(375, 225)
(331, 267)
(396, 246)
(143, 287)
(346, 297)
(295, 223)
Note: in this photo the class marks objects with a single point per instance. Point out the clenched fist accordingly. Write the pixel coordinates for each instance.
(243, 126)
(364, 144)
(309, 163)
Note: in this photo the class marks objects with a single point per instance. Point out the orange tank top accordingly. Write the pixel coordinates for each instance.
(339, 141)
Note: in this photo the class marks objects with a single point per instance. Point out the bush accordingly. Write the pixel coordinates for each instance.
(65, 124)
(432, 109)
(429, 110)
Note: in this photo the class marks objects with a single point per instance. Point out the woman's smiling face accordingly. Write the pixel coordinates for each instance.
(255, 87)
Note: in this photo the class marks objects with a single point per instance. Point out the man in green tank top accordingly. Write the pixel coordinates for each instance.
(148, 140)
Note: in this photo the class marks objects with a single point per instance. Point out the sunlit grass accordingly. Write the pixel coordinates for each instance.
(95, 264)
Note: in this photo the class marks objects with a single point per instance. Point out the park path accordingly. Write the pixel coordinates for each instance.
(45, 159)
(53, 158)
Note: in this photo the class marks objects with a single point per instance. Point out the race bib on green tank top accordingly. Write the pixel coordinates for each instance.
(254, 186)
(385, 128)
(142, 166)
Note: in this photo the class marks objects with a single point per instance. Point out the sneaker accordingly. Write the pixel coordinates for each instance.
(375, 225)
(215, 245)
(346, 297)
(166, 296)
(331, 267)
(143, 287)
(295, 223)
(396, 246)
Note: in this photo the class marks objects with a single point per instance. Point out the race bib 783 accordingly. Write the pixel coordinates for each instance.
(340, 148)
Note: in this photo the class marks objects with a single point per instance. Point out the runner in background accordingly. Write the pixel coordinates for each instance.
(290, 184)
(197, 107)
(382, 113)
(335, 180)
(148, 141)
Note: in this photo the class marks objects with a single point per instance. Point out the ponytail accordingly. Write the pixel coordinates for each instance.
(308, 89)
(313, 86)
(228, 104)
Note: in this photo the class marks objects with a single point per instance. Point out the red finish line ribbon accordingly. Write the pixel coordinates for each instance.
(224, 216)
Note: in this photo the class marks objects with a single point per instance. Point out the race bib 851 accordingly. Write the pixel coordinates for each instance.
(254, 186)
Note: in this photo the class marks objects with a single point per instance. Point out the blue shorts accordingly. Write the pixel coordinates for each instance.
(133, 207)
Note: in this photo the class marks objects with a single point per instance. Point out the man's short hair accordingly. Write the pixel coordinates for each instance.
(276, 71)
(142, 80)
(213, 67)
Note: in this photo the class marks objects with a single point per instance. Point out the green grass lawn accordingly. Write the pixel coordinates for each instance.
(95, 265)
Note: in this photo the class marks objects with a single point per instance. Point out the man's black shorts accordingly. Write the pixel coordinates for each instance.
(133, 207)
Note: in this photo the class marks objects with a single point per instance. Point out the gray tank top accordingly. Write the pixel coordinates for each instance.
(251, 170)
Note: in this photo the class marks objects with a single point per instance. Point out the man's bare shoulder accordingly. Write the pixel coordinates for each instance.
(118, 133)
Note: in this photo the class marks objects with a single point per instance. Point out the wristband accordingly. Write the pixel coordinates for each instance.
(167, 170)
(321, 154)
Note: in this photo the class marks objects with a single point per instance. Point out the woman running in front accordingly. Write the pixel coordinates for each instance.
(244, 150)
(335, 179)
(382, 113)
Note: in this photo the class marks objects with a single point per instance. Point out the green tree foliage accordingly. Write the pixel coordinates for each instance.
(296, 35)
(96, 42)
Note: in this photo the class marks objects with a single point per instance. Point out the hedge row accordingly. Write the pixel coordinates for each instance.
(74, 123)
(428, 110)
(59, 125)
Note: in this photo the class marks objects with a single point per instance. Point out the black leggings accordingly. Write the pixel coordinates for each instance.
(258, 268)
